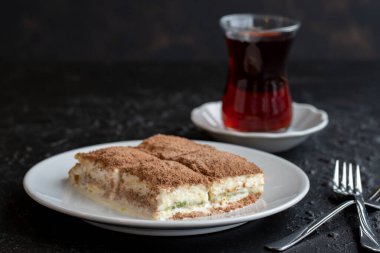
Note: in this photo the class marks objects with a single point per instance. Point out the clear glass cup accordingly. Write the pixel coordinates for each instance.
(257, 96)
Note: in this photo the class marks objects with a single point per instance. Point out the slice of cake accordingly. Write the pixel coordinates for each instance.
(140, 184)
(234, 181)
(167, 177)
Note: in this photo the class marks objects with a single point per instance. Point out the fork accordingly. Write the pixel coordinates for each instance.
(301, 233)
(346, 186)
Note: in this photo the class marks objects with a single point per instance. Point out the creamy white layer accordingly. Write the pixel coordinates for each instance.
(129, 194)
(225, 191)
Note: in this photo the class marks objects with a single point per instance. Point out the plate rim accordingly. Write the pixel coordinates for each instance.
(167, 224)
(259, 135)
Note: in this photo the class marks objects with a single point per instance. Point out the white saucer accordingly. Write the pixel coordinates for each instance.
(285, 185)
(306, 120)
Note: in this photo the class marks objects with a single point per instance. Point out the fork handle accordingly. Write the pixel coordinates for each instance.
(301, 233)
(368, 238)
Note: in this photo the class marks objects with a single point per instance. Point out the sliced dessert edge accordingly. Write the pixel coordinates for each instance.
(140, 185)
(234, 181)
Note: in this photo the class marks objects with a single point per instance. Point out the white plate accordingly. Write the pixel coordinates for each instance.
(306, 120)
(285, 185)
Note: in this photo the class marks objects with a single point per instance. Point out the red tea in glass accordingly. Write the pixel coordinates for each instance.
(257, 96)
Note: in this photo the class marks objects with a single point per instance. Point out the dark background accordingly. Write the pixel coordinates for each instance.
(163, 30)
(120, 70)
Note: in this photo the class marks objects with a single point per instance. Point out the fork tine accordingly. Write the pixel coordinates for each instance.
(336, 175)
(350, 178)
(375, 195)
(343, 182)
(358, 181)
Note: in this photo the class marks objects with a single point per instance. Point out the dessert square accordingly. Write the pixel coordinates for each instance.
(167, 177)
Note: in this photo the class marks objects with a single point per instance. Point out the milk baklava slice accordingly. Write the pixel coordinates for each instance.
(234, 181)
(140, 184)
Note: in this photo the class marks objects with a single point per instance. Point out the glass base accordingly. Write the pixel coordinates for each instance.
(269, 131)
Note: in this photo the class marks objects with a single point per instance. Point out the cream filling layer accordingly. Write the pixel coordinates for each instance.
(184, 199)
(105, 185)
(232, 189)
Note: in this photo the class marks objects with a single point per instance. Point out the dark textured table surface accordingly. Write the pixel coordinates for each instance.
(50, 108)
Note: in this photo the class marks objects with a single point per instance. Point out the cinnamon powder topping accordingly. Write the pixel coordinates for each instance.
(217, 164)
(169, 146)
(146, 167)
(168, 174)
(202, 159)
(170, 161)
(116, 157)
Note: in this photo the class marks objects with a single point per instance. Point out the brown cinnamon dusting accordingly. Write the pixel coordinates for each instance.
(218, 164)
(169, 146)
(166, 160)
(167, 173)
(116, 157)
(146, 167)
(202, 159)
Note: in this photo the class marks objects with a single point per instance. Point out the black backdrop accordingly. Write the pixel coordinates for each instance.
(163, 30)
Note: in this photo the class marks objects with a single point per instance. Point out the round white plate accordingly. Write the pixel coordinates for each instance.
(306, 120)
(47, 183)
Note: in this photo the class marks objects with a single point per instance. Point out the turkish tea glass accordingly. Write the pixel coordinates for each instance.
(257, 96)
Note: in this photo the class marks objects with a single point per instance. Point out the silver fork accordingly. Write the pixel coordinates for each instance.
(346, 186)
(296, 236)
